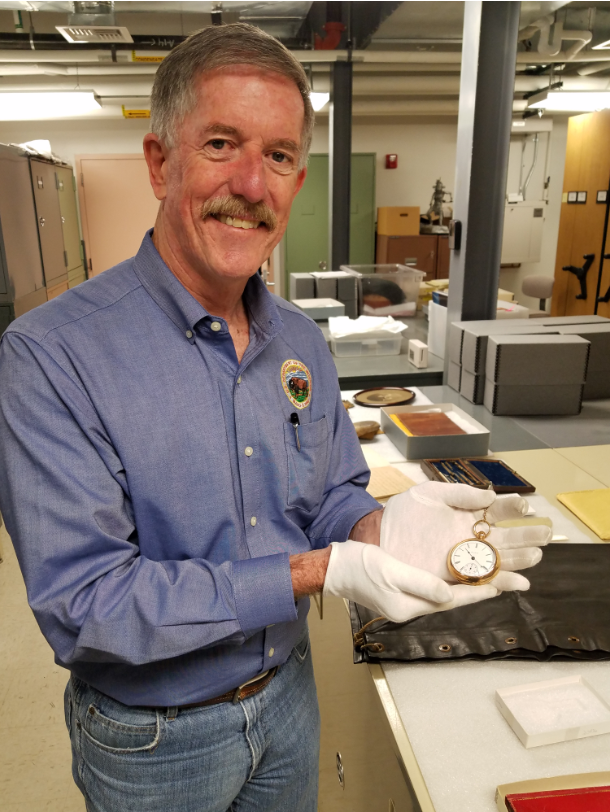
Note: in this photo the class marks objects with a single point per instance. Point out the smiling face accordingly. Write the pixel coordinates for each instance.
(228, 182)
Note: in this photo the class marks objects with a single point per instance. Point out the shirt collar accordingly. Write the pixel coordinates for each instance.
(183, 309)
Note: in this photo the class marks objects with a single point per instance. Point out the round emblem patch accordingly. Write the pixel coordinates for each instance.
(296, 381)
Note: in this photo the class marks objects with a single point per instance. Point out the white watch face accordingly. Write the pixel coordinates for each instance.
(474, 558)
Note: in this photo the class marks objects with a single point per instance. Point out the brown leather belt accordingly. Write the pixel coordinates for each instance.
(242, 692)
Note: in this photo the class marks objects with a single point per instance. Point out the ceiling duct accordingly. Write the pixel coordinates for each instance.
(94, 23)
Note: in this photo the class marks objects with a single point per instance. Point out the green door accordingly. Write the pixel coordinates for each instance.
(307, 231)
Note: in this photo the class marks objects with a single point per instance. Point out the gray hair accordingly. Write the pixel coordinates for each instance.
(173, 94)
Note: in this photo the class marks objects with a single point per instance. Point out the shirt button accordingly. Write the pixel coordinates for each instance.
(271, 652)
(249, 451)
(253, 521)
(216, 326)
(239, 379)
(189, 334)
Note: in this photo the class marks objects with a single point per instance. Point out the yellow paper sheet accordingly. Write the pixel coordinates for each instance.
(592, 508)
(388, 481)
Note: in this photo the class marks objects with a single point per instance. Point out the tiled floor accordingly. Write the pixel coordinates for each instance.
(34, 747)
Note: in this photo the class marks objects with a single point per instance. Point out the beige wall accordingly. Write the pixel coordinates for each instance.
(425, 149)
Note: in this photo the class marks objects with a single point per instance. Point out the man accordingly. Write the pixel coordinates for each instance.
(170, 514)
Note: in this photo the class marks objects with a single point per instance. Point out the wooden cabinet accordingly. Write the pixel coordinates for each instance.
(429, 252)
(581, 227)
(353, 725)
(48, 215)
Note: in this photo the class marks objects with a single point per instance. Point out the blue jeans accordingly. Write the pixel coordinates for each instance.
(258, 755)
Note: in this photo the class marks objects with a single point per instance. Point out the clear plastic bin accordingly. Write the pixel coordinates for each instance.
(387, 290)
(368, 344)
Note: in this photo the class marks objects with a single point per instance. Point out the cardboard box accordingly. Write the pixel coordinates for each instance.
(529, 400)
(454, 376)
(401, 221)
(599, 337)
(597, 385)
(347, 287)
(537, 359)
(456, 339)
(472, 386)
(474, 341)
(326, 285)
(351, 308)
(418, 353)
(485, 327)
(554, 710)
(320, 309)
(473, 444)
(302, 286)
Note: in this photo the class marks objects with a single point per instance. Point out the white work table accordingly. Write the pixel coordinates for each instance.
(451, 740)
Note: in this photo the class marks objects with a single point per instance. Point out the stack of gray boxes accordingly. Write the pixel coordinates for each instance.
(302, 286)
(535, 374)
(474, 353)
(598, 372)
(469, 342)
(338, 285)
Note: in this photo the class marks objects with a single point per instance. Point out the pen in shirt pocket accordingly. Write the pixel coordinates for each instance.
(294, 419)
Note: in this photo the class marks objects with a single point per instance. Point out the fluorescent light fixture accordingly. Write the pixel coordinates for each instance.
(32, 106)
(603, 46)
(568, 101)
(319, 100)
(518, 123)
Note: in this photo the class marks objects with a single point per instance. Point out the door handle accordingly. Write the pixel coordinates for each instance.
(42, 221)
(581, 274)
(340, 771)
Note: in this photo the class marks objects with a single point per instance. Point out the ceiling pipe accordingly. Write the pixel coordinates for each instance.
(34, 69)
(447, 85)
(385, 58)
(548, 48)
(587, 70)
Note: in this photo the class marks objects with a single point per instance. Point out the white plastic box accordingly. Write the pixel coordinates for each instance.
(555, 710)
(379, 343)
(387, 290)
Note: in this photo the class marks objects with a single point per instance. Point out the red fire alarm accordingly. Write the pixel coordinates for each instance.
(391, 161)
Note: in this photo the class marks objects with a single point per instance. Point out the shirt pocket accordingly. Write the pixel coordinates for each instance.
(307, 467)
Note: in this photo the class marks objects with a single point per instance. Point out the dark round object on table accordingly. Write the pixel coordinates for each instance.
(384, 396)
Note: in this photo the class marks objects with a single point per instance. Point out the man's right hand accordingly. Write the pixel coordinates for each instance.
(367, 575)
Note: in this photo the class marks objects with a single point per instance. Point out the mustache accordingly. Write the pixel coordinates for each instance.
(237, 206)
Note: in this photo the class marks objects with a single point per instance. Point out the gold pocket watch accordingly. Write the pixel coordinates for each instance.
(474, 561)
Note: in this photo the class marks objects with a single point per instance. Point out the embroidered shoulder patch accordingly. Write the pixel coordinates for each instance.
(296, 382)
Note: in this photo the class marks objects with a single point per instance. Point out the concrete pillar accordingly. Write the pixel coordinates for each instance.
(339, 168)
(489, 52)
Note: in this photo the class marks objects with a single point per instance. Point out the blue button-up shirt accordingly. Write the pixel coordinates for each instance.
(152, 485)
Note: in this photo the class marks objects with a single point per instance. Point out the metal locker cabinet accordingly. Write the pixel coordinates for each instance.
(69, 224)
(49, 227)
(22, 284)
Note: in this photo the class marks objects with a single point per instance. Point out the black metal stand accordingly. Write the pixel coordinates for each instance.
(581, 274)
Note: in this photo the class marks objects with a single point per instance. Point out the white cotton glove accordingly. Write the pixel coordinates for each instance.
(420, 526)
(367, 575)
